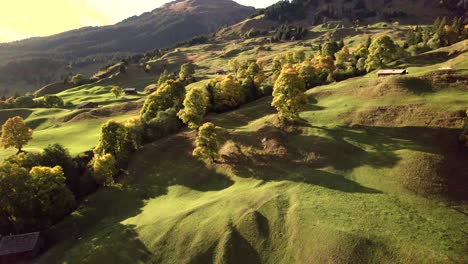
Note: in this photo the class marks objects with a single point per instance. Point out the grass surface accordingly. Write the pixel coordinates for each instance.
(328, 191)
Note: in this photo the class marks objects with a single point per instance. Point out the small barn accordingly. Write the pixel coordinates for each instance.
(20, 247)
(130, 91)
(86, 105)
(391, 72)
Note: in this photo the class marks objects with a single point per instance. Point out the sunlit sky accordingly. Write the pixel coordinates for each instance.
(21, 19)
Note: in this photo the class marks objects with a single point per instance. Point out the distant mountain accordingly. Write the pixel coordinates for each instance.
(38, 61)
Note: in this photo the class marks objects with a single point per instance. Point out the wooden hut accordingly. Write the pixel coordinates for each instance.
(391, 72)
(20, 247)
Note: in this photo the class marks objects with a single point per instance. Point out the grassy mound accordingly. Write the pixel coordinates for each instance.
(424, 173)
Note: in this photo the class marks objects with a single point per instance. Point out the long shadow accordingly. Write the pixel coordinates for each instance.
(244, 114)
(95, 232)
(170, 162)
(272, 154)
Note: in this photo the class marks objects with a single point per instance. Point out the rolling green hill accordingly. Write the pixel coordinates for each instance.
(331, 190)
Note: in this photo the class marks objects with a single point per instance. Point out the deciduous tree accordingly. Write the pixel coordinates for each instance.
(226, 93)
(381, 52)
(288, 94)
(15, 133)
(195, 107)
(187, 70)
(104, 169)
(208, 142)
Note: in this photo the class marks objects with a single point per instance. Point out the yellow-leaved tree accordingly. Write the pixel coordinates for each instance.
(208, 142)
(195, 107)
(104, 169)
(54, 198)
(226, 93)
(288, 94)
(15, 133)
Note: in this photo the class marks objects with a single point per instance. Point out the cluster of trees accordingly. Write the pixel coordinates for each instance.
(38, 189)
(158, 118)
(286, 10)
(287, 33)
(334, 62)
(28, 101)
(440, 34)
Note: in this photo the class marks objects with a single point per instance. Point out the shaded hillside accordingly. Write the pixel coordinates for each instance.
(75, 50)
(349, 12)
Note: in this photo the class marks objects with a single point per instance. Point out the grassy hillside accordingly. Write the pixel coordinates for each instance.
(335, 189)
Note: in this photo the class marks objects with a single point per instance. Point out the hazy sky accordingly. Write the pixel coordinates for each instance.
(20, 19)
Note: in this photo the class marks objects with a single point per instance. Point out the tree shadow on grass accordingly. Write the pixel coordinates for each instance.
(170, 162)
(272, 154)
(94, 233)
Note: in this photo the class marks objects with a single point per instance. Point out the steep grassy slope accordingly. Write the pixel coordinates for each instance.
(331, 190)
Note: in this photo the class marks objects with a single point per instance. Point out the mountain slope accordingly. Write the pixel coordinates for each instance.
(28, 60)
(349, 12)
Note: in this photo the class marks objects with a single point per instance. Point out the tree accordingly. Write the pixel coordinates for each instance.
(288, 95)
(343, 57)
(164, 77)
(114, 140)
(308, 75)
(54, 198)
(208, 142)
(117, 91)
(25, 101)
(78, 79)
(186, 71)
(322, 63)
(16, 206)
(104, 169)
(15, 133)
(53, 101)
(381, 51)
(170, 94)
(56, 155)
(135, 132)
(195, 107)
(226, 93)
(329, 48)
(361, 52)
